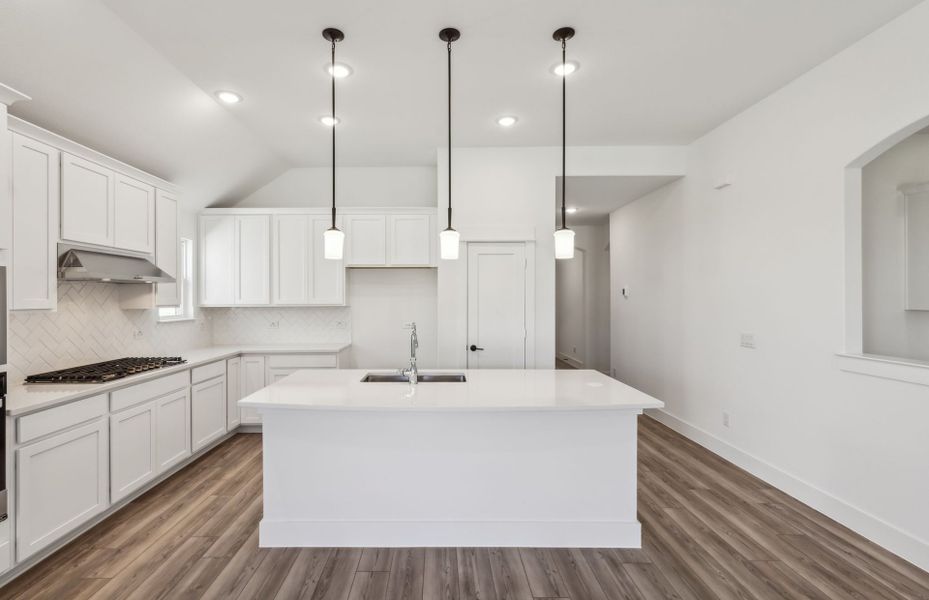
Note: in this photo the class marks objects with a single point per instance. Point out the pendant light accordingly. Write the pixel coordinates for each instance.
(449, 238)
(333, 238)
(564, 237)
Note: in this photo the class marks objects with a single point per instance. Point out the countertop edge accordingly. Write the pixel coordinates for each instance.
(201, 356)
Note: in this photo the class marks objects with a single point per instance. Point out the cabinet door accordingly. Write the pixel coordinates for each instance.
(172, 429)
(253, 379)
(86, 201)
(233, 392)
(217, 260)
(410, 240)
(290, 259)
(208, 412)
(166, 248)
(132, 449)
(253, 260)
(327, 277)
(36, 192)
(278, 374)
(134, 214)
(366, 240)
(61, 482)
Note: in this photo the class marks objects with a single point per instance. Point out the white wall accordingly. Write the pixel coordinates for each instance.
(767, 256)
(382, 302)
(355, 186)
(505, 194)
(582, 312)
(889, 329)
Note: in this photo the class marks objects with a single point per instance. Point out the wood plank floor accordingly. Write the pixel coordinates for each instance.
(710, 531)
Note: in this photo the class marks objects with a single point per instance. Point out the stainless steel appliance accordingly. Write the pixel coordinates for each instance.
(3, 511)
(106, 371)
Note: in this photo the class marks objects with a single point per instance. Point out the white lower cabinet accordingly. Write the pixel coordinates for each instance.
(61, 482)
(132, 449)
(208, 411)
(6, 547)
(253, 379)
(172, 429)
(233, 392)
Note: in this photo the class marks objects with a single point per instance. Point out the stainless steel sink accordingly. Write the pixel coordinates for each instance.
(423, 378)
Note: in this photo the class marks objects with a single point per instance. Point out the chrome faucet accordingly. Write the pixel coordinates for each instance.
(412, 372)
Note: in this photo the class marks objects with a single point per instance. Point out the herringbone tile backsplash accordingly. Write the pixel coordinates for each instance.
(89, 326)
(280, 325)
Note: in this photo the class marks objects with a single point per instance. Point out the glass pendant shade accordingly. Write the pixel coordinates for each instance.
(333, 241)
(448, 244)
(564, 243)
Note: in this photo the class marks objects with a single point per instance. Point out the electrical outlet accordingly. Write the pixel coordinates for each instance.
(614, 373)
(341, 324)
(725, 419)
(274, 325)
(748, 341)
(138, 334)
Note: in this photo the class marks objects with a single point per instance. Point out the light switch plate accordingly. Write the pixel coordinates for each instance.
(748, 341)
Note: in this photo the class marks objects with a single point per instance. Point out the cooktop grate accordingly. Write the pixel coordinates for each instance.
(109, 370)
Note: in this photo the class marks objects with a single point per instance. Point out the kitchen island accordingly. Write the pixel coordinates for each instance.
(538, 458)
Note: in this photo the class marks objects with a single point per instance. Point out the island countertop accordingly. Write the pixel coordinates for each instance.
(485, 389)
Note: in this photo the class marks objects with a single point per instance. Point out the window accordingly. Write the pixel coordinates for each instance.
(185, 285)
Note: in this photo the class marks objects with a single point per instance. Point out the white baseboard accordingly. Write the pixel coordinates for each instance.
(880, 532)
(449, 534)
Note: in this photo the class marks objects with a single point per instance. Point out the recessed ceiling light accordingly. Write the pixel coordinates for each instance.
(330, 121)
(339, 70)
(507, 121)
(571, 210)
(568, 68)
(228, 97)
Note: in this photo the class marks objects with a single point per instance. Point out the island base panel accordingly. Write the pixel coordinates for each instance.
(449, 478)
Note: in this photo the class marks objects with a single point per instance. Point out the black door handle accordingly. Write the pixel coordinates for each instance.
(475, 348)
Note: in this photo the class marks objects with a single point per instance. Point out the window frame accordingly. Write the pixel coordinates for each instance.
(185, 310)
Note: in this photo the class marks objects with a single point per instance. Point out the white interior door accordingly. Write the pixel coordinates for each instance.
(497, 306)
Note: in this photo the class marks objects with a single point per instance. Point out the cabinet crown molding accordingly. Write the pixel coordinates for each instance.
(8, 95)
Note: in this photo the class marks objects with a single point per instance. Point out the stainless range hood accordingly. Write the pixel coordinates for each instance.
(81, 264)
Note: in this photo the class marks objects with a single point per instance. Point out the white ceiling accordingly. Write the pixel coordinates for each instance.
(134, 78)
(596, 197)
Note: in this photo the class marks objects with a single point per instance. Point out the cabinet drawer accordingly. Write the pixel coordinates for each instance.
(209, 371)
(130, 396)
(36, 425)
(302, 361)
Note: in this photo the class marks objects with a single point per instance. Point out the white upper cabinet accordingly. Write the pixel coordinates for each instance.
(102, 207)
(134, 215)
(87, 207)
(327, 277)
(290, 259)
(411, 240)
(217, 260)
(253, 260)
(366, 240)
(36, 191)
(235, 260)
(166, 247)
(300, 273)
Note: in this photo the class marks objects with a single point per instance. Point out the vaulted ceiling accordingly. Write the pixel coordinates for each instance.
(135, 78)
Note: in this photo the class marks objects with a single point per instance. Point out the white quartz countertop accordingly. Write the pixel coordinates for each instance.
(484, 390)
(22, 399)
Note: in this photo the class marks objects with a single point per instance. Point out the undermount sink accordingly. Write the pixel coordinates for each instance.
(423, 378)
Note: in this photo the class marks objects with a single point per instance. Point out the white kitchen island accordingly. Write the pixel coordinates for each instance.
(539, 458)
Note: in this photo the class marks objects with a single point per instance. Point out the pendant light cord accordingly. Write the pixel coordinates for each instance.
(564, 94)
(449, 134)
(333, 133)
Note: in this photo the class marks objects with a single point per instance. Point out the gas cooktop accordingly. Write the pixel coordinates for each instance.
(109, 370)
